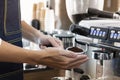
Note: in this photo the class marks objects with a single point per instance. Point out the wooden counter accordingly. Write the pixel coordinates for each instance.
(37, 74)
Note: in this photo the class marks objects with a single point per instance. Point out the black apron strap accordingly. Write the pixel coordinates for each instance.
(15, 75)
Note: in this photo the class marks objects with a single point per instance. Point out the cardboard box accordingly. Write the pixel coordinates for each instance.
(112, 5)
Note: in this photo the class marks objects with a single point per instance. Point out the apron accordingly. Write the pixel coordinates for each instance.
(10, 31)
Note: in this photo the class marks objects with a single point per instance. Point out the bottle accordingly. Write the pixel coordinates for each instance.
(49, 20)
(35, 22)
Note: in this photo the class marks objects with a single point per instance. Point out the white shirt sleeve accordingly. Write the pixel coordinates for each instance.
(0, 41)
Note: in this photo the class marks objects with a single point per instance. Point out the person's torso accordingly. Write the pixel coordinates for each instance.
(10, 31)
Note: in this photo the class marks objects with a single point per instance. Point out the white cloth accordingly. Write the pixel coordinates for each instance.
(0, 41)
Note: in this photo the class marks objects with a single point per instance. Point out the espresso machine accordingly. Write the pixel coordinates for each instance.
(100, 31)
(103, 43)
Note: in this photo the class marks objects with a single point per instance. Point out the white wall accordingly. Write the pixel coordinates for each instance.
(26, 9)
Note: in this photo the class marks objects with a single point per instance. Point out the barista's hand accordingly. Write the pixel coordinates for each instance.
(59, 58)
(47, 40)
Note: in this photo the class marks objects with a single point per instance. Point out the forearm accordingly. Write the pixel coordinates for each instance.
(53, 57)
(11, 53)
(31, 33)
(38, 37)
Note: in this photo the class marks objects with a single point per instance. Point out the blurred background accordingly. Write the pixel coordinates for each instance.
(30, 9)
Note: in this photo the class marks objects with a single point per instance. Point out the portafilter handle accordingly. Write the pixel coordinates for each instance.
(74, 28)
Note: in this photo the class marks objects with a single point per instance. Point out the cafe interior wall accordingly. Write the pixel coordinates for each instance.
(59, 7)
(61, 18)
(26, 9)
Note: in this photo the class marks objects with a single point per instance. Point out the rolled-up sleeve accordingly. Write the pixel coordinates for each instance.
(0, 41)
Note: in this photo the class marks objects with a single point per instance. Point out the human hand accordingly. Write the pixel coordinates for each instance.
(47, 40)
(60, 58)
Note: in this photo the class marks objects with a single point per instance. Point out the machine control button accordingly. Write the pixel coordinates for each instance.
(115, 36)
(98, 30)
(94, 32)
(103, 35)
(100, 33)
(118, 37)
(112, 34)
